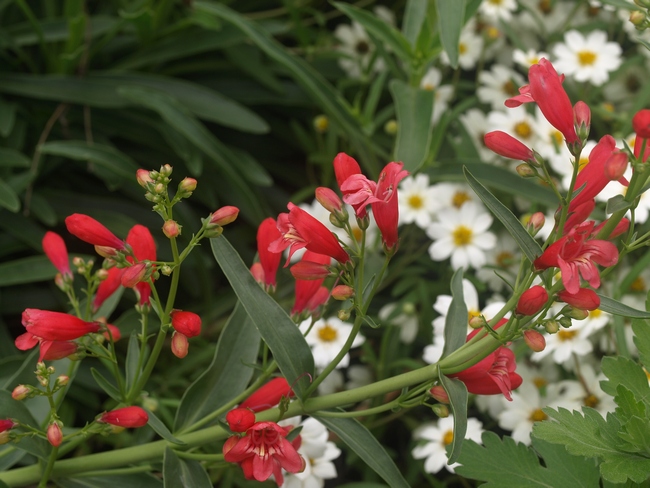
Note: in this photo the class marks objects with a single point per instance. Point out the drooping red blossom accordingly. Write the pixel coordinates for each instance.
(492, 375)
(532, 300)
(545, 88)
(300, 230)
(91, 231)
(593, 176)
(107, 287)
(576, 254)
(264, 451)
(641, 123)
(584, 299)
(507, 146)
(307, 289)
(385, 209)
(267, 233)
(129, 417)
(57, 252)
(240, 419)
(268, 395)
(344, 167)
(56, 326)
(187, 323)
(579, 214)
(144, 249)
(53, 350)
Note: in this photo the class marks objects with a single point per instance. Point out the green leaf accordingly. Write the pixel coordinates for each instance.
(414, 108)
(617, 308)
(161, 429)
(617, 203)
(451, 17)
(414, 15)
(12, 158)
(635, 432)
(105, 156)
(528, 245)
(593, 436)
(183, 473)
(132, 480)
(106, 385)
(381, 30)
(26, 270)
(283, 337)
(228, 374)
(132, 361)
(456, 319)
(623, 371)
(367, 447)
(457, 392)
(8, 197)
(11, 409)
(518, 465)
(641, 331)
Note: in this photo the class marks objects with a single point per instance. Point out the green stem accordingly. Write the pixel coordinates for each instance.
(48, 468)
(199, 457)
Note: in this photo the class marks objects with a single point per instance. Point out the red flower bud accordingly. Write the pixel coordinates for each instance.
(257, 270)
(507, 146)
(56, 326)
(180, 345)
(171, 229)
(240, 419)
(268, 395)
(534, 340)
(6, 424)
(641, 123)
(439, 393)
(532, 300)
(91, 231)
(582, 115)
(342, 292)
(584, 299)
(616, 165)
(309, 270)
(187, 323)
(56, 251)
(187, 185)
(54, 434)
(224, 216)
(143, 176)
(19, 393)
(128, 417)
(328, 199)
(134, 275)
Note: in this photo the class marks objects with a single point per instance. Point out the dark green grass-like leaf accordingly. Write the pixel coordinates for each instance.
(367, 447)
(183, 473)
(414, 14)
(451, 17)
(11, 409)
(8, 197)
(528, 245)
(290, 350)
(161, 429)
(228, 374)
(26, 270)
(615, 307)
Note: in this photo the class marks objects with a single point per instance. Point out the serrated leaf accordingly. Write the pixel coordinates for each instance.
(589, 434)
(528, 245)
(615, 307)
(641, 331)
(183, 473)
(414, 107)
(161, 429)
(106, 385)
(623, 371)
(367, 447)
(635, 431)
(456, 319)
(627, 405)
(11, 409)
(228, 374)
(457, 392)
(504, 463)
(283, 337)
(451, 17)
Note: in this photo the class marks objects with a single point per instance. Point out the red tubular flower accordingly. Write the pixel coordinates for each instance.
(107, 287)
(187, 323)
(91, 231)
(53, 350)
(268, 233)
(264, 451)
(493, 375)
(129, 417)
(579, 214)
(358, 188)
(344, 167)
(616, 165)
(300, 230)
(593, 176)
(133, 275)
(620, 228)
(268, 395)
(507, 146)
(56, 251)
(240, 419)
(641, 144)
(144, 249)
(56, 326)
(584, 299)
(532, 300)
(385, 209)
(308, 270)
(575, 255)
(641, 123)
(307, 289)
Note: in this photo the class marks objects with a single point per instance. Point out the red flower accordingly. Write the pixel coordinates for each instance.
(493, 375)
(267, 233)
(240, 419)
(344, 167)
(268, 395)
(385, 209)
(144, 249)
(6, 424)
(56, 326)
(532, 300)
(641, 144)
(306, 290)
(579, 213)
(584, 299)
(358, 188)
(56, 251)
(641, 123)
(128, 417)
(575, 255)
(264, 451)
(507, 146)
(91, 231)
(300, 230)
(187, 323)
(53, 350)
(107, 287)
(593, 176)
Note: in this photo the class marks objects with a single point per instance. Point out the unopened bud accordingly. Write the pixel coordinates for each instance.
(476, 322)
(321, 123)
(525, 170)
(565, 322)
(343, 315)
(62, 380)
(134, 275)
(532, 300)
(101, 274)
(534, 340)
(180, 345)
(441, 410)
(105, 251)
(166, 270)
(439, 393)
(637, 17)
(257, 270)
(21, 392)
(342, 292)
(551, 326)
(535, 223)
(616, 165)
(224, 216)
(578, 313)
(78, 262)
(54, 434)
(59, 281)
(158, 188)
(143, 176)
(391, 127)
(328, 199)
(171, 229)
(309, 270)
(187, 185)
(166, 170)
(582, 118)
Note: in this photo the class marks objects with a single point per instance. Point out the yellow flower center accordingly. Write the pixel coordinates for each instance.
(357, 233)
(327, 333)
(504, 259)
(523, 130)
(591, 401)
(538, 415)
(586, 58)
(428, 87)
(459, 198)
(462, 235)
(462, 48)
(472, 313)
(557, 138)
(638, 284)
(594, 314)
(448, 438)
(495, 2)
(584, 161)
(566, 335)
(540, 382)
(545, 6)
(416, 202)
(509, 88)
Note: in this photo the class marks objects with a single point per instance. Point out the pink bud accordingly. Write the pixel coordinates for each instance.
(187, 323)
(187, 185)
(342, 292)
(171, 229)
(20, 393)
(439, 393)
(616, 165)
(134, 275)
(328, 199)
(115, 333)
(128, 417)
(532, 300)
(6, 424)
(641, 123)
(54, 434)
(507, 146)
(582, 116)
(534, 340)
(240, 419)
(143, 176)
(309, 270)
(180, 345)
(224, 215)
(536, 222)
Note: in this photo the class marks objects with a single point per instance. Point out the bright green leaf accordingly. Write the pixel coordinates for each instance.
(451, 17)
(414, 15)
(641, 331)
(623, 371)
(617, 308)
(457, 392)
(106, 385)
(183, 473)
(283, 337)
(456, 319)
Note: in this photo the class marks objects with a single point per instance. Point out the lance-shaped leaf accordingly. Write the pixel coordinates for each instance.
(456, 319)
(183, 473)
(283, 337)
(615, 307)
(457, 393)
(11, 409)
(451, 16)
(528, 245)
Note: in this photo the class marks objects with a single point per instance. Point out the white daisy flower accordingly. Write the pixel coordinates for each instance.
(497, 85)
(517, 122)
(587, 392)
(497, 9)
(326, 339)
(442, 94)
(462, 235)
(405, 318)
(418, 201)
(527, 58)
(587, 58)
(476, 124)
(470, 46)
(434, 439)
(562, 345)
(357, 50)
(455, 195)
(502, 260)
